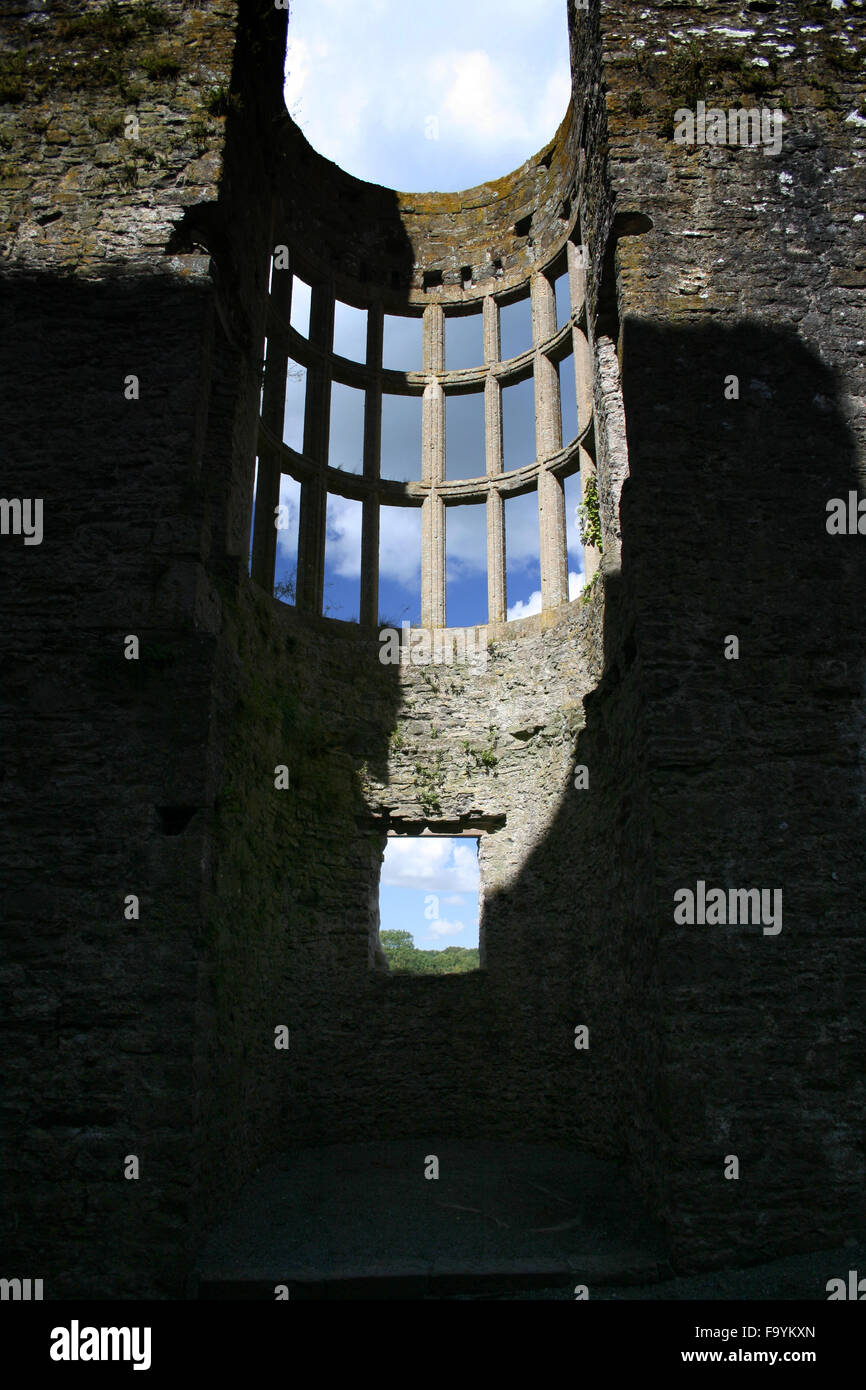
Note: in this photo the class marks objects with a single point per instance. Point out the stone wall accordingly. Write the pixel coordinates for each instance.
(117, 264)
(753, 267)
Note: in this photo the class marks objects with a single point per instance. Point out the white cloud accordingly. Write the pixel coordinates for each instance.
(443, 928)
(344, 536)
(478, 99)
(525, 610)
(400, 545)
(287, 538)
(575, 583)
(432, 864)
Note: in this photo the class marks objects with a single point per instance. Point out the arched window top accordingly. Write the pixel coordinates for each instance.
(438, 99)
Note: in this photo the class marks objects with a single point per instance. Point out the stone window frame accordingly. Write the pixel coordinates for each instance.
(554, 461)
(472, 827)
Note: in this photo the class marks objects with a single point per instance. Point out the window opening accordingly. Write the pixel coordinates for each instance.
(346, 439)
(464, 436)
(296, 401)
(522, 556)
(343, 559)
(402, 343)
(464, 341)
(350, 332)
(568, 398)
(399, 566)
(515, 328)
(518, 424)
(301, 299)
(429, 905)
(466, 565)
(574, 544)
(401, 438)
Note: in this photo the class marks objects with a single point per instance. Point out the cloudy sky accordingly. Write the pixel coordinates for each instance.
(429, 887)
(417, 96)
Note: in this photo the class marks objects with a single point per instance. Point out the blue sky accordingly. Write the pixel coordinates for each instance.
(422, 97)
(429, 887)
(419, 99)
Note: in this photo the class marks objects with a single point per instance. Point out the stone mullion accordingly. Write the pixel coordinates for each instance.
(273, 414)
(548, 441)
(372, 463)
(314, 497)
(433, 473)
(496, 593)
(576, 279)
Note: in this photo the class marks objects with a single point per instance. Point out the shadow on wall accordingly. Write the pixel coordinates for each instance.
(705, 1041)
(747, 772)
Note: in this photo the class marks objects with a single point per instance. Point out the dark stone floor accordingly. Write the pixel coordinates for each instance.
(362, 1220)
(512, 1221)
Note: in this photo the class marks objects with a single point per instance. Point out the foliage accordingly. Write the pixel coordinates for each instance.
(482, 757)
(589, 515)
(405, 959)
(588, 589)
(285, 589)
(428, 784)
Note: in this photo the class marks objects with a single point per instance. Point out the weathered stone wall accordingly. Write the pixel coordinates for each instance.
(371, 1055)
(107, 774)
(753, 267)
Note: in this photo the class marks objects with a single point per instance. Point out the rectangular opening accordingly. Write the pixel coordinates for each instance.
(568, 398)
(429, 905)
(296, 403)
(402, 343)
(562, 294)
(464, 341)
(515, 328)
(286, 567)
(464, 436)
(522, 556)
(399, 566)
(466, 565)
(350, 331)
(346, 439)
(574, 545)
(518, 424)
(301, 297)
(401, 438)
(342, 597)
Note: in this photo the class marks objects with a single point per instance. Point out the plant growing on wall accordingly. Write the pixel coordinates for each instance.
(429, 780)
(588, 514)
(484, 756)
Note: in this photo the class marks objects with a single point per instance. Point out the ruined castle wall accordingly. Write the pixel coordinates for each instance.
(752, 268)
(117, 261)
